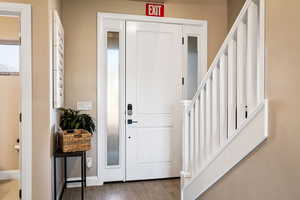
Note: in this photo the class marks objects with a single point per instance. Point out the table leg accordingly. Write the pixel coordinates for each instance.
(85, 169)
(82, 176)
(55, 179)
(65, 170)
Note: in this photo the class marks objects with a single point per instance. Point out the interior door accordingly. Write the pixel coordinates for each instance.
(153, 94)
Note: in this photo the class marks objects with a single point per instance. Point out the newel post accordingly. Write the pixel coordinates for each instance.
(185, 173)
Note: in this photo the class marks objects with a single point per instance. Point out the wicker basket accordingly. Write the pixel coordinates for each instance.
(75, 140)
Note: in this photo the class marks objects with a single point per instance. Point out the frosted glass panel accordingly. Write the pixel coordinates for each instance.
(113, 98)
(9, 59)
(192, 71)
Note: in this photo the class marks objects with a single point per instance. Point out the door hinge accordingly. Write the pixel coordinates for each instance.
(182, 80)
(20, 194)
(182, 40)
(20, 117)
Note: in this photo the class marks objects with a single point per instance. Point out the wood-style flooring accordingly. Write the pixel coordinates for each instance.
(142, 190)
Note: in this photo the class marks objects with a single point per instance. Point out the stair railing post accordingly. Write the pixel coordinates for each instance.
(186, 160)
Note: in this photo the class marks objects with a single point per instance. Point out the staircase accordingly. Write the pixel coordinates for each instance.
(228, 116)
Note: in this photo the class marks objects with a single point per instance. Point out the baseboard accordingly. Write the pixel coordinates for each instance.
(9, 174)
(90, 181)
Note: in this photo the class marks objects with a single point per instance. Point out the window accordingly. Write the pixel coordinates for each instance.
(113, 99)
(192, 70)
(9, 59)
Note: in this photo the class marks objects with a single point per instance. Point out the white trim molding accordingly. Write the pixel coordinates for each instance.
(24, 12)
(143, 18)
(115, 173)
(9, 174)
(90, 181)
(58, 61)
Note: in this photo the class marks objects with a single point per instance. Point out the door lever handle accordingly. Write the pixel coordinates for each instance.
(130, 121)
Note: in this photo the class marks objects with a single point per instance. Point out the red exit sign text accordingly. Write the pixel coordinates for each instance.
(157, 10)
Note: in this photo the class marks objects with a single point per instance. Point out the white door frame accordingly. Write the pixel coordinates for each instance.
(24, 12)
(101, 66)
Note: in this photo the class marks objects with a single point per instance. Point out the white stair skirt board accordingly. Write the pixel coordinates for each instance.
(90, 181)
(248, 137)
(9, 174)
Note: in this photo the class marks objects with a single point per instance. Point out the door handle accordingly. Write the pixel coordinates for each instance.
(17, 147)
(130, 121)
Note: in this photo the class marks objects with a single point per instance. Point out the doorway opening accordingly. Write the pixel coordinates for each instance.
(16, 101)
(146, 67)
(10, 106)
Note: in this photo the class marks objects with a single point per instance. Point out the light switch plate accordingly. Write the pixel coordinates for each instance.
(89, 162)
(84, 105)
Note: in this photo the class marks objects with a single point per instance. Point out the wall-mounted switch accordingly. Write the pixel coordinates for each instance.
(84, 105)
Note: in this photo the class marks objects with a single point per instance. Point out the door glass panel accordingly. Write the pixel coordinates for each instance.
(113, 98)
(192, 70)
(9, 59)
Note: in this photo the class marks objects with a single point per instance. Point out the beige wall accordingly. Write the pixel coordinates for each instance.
(79, 19)
(234, 8)
(9, 103)
(41, 136)
(10, 28)
(272, 172)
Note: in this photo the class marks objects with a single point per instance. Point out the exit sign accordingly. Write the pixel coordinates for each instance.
(157, 10)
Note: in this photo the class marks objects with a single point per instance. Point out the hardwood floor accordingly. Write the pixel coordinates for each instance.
(142, 190)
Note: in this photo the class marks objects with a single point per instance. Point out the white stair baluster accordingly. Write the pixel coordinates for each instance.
(197, 146)
(203, 126)
(216, 108)
(231, 87)
(261, 53)
(208, 119)
(185, 140)
(252, 36)
(192, 140)
(223, 99)
(241, 73)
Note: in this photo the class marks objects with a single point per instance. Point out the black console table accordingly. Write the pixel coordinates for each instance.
(60, 154)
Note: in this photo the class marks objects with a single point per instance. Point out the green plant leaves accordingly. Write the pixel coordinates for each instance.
(72, 119)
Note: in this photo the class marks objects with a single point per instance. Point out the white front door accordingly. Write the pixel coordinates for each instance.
(153, 94)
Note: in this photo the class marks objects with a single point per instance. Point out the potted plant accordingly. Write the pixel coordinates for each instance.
(77, 130)
(72, 119)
